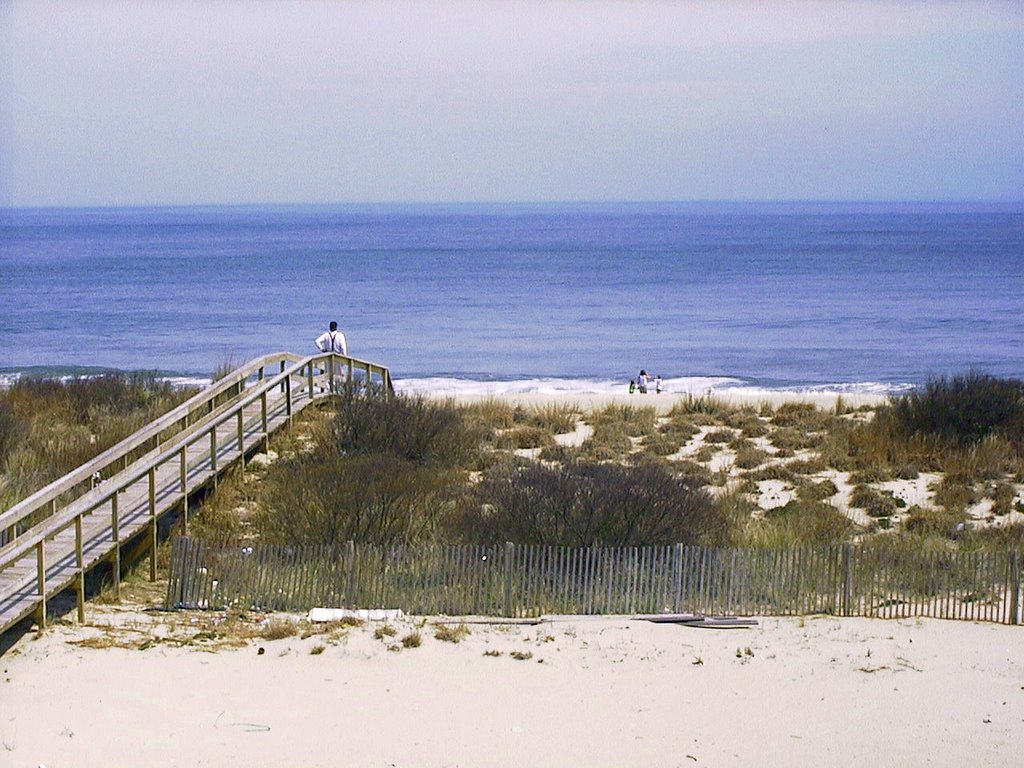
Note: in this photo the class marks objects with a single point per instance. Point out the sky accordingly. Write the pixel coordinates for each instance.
(169, 103)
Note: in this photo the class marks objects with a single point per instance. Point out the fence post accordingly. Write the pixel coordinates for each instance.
(845, 603)
(1015, 566)
(678, 569)
(350, 565)
(509, 553)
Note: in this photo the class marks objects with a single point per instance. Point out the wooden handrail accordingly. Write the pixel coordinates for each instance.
(96, 497)
(36, 501)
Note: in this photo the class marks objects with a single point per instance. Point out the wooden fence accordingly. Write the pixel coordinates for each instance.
(513, 580)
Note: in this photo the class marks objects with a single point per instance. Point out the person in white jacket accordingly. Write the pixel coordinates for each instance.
(332, 341)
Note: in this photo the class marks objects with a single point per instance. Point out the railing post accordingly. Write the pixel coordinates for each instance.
(80, 565)
(309, 378)
(330, 372)
(284, 383)
(41, 576)
(366, 382)
(288, 399)
(152, 524)
(183, 484)
(241, 438)
(116, 535)
(263, 416)
(213, 452)
(509, 556)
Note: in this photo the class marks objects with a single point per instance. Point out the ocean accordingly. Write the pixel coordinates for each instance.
(859, 298)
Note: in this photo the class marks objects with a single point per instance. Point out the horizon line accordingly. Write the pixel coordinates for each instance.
(492, 203)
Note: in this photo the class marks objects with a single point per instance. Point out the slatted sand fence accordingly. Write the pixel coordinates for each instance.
(521, 581)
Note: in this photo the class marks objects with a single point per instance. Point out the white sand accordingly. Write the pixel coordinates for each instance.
(596, 692)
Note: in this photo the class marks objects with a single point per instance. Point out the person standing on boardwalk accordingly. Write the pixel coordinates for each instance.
(332, 341)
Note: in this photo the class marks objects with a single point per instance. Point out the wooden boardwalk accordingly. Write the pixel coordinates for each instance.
(181, 453)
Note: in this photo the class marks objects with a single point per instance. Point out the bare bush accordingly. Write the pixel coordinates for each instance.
(593, 504)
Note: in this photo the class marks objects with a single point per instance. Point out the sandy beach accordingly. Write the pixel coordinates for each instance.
(602, 691)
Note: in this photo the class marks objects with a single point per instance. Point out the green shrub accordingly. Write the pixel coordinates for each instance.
(962, 409)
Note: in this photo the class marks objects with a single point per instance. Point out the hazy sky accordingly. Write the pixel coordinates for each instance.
(114, 103)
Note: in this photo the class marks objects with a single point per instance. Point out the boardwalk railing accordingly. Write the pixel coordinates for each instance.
(522, 581)
(52, 538)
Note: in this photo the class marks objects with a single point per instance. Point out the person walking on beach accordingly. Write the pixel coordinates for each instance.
(332, 341)
(641, 383)
(657, 384)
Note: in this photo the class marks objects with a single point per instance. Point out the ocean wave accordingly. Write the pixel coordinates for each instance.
(692, 385)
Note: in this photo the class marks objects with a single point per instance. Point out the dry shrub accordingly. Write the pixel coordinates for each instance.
(410, 428)
(927, 521)
(804, 417)
(817, 491)
(749, 457)
(488, 416)
(412, 640)
(793, 439)
(451, 633)
(962, 409)
(692, 471)
(874, 502)
(771, 472)
(662, 444)
(592, 504)
(556, 418)
(330, 499)
(801, 522)
(719, 436)
(701, 405)
(634, 421)
(524, 437)
(560, 454)
(954, 495)
(609, 441)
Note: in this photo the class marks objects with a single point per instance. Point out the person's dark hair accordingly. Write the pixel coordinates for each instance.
(334, 326)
